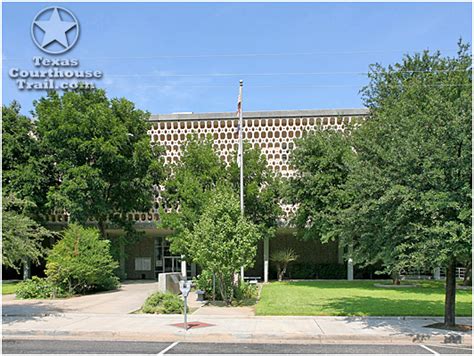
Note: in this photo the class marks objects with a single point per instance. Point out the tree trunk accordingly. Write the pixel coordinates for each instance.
(450, 299)
(467, 275)
(26, 269)
(396, 278)
(222, 289)
(101, 225)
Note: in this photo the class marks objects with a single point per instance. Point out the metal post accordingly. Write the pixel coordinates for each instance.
(185, 313)
(213, 287)
(241, 150)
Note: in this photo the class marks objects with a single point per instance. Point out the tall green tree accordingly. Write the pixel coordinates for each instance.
(223, 240)
(322, 160)
(262, 189)
(411, 183)
(22, 163)
(103, 163)
(187, 188)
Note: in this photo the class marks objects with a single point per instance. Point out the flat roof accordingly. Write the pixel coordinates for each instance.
(259, 114)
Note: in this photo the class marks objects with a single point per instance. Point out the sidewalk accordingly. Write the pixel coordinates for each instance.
(247, 329)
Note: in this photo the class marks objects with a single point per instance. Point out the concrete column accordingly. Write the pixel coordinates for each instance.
(242, 274)
(437, 273)
(350, 270)
(183, 267)
(266, 257)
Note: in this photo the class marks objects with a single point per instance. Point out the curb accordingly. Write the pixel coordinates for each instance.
(245, 337)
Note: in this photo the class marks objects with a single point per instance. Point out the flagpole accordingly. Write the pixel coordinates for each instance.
(241, 151)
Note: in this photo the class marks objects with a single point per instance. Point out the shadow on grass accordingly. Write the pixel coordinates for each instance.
(346, 303)
(379, 306)
(422, 287)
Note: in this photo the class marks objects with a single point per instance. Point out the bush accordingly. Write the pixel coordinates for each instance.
(204, 282)
(38, 288)
(163, 303)
(244, 291)
(81, 262)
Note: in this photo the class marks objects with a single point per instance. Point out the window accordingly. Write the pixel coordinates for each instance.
(142, 263)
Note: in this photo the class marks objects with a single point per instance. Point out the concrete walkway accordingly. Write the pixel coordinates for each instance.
(128, 298)
(143, 327)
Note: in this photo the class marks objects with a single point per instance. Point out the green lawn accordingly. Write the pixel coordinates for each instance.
(9, 287)
(358, 298)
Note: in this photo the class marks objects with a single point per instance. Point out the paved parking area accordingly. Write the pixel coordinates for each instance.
(128, 298)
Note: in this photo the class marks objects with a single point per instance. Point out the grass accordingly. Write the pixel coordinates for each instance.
(9, 287)
(358, 298)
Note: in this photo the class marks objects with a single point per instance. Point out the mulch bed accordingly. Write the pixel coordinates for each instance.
(457, 327)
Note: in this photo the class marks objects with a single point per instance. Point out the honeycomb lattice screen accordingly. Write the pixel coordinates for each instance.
(274, 136)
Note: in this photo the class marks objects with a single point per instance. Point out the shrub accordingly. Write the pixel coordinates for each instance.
(163, 303)
(244, 291)
(81, 262)
(38, 288)
(204, 282)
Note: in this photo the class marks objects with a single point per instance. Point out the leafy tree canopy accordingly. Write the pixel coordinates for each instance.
(412, 180)
(262, 189)
(102, 162)
(322, 160)
(22, 163)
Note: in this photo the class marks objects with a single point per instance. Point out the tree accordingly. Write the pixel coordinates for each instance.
(322, 160)
(411, 182)
(187, 188)
(262, 189)
(281, 259)
(223, 240)
(22, 237)
(81, 262)
(103, 165)
(22, 164)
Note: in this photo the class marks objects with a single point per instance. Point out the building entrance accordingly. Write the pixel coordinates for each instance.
(165, 261)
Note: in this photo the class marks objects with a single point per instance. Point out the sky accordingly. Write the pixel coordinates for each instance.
(189, 57)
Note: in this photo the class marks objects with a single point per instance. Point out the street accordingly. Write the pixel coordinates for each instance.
(22, 346)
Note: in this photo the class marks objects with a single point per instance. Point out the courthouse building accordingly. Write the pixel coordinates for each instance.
(274, 132)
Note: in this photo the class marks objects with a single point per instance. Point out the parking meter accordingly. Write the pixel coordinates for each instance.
(185, 287)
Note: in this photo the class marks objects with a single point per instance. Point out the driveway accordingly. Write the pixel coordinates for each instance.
(127, 299)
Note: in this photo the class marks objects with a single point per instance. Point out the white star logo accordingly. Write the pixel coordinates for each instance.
(55, 31)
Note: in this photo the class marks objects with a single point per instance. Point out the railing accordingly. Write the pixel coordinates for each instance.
(460, 272)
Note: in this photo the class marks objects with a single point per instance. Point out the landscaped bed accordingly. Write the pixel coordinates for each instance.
(358, 298)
